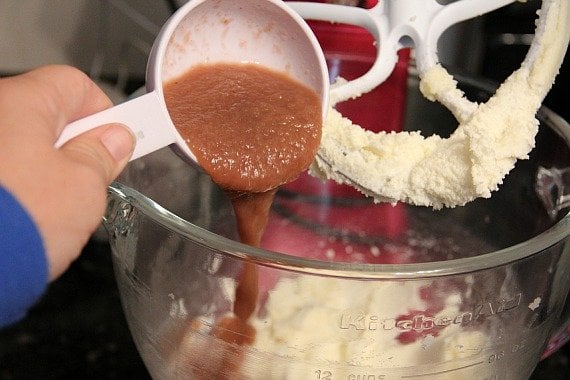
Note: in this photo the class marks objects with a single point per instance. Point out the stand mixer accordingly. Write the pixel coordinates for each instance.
(406, 292)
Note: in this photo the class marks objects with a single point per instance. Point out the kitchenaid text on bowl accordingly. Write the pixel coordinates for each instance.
(423, 322)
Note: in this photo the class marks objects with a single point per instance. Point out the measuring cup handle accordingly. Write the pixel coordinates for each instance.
(145, 116)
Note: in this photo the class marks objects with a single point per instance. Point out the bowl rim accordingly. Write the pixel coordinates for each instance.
(363, 271)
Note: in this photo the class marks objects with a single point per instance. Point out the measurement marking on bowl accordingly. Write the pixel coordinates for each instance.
(423, 375)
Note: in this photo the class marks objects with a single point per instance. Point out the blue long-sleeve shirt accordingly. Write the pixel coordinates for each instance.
(23, 262)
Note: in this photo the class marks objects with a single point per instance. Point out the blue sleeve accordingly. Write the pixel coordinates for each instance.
(23, 263)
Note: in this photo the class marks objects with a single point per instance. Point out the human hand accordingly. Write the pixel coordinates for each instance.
(64, 190)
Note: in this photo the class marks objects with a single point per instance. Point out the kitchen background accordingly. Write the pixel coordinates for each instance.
(78, 330)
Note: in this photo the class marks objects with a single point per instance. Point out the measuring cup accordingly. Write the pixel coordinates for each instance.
(265, 32)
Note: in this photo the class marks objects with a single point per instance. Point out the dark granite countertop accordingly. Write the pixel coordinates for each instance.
(78, 331)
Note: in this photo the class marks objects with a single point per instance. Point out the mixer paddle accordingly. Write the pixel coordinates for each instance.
(491, 137)
(395, 25)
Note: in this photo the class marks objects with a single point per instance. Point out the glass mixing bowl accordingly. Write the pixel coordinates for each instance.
(348, 289)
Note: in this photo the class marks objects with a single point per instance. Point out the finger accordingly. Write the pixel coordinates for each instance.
(58, 95)
(104, 150)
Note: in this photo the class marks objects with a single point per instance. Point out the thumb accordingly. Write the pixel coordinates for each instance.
(106, 149)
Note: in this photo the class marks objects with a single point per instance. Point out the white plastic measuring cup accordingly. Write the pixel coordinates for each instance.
(266, 32)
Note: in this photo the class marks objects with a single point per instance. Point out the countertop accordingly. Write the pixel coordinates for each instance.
(78, 331)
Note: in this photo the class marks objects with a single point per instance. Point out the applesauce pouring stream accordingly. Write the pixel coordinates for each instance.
(252, 130)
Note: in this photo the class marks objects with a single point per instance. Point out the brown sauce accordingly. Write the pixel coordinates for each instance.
(252, 130)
